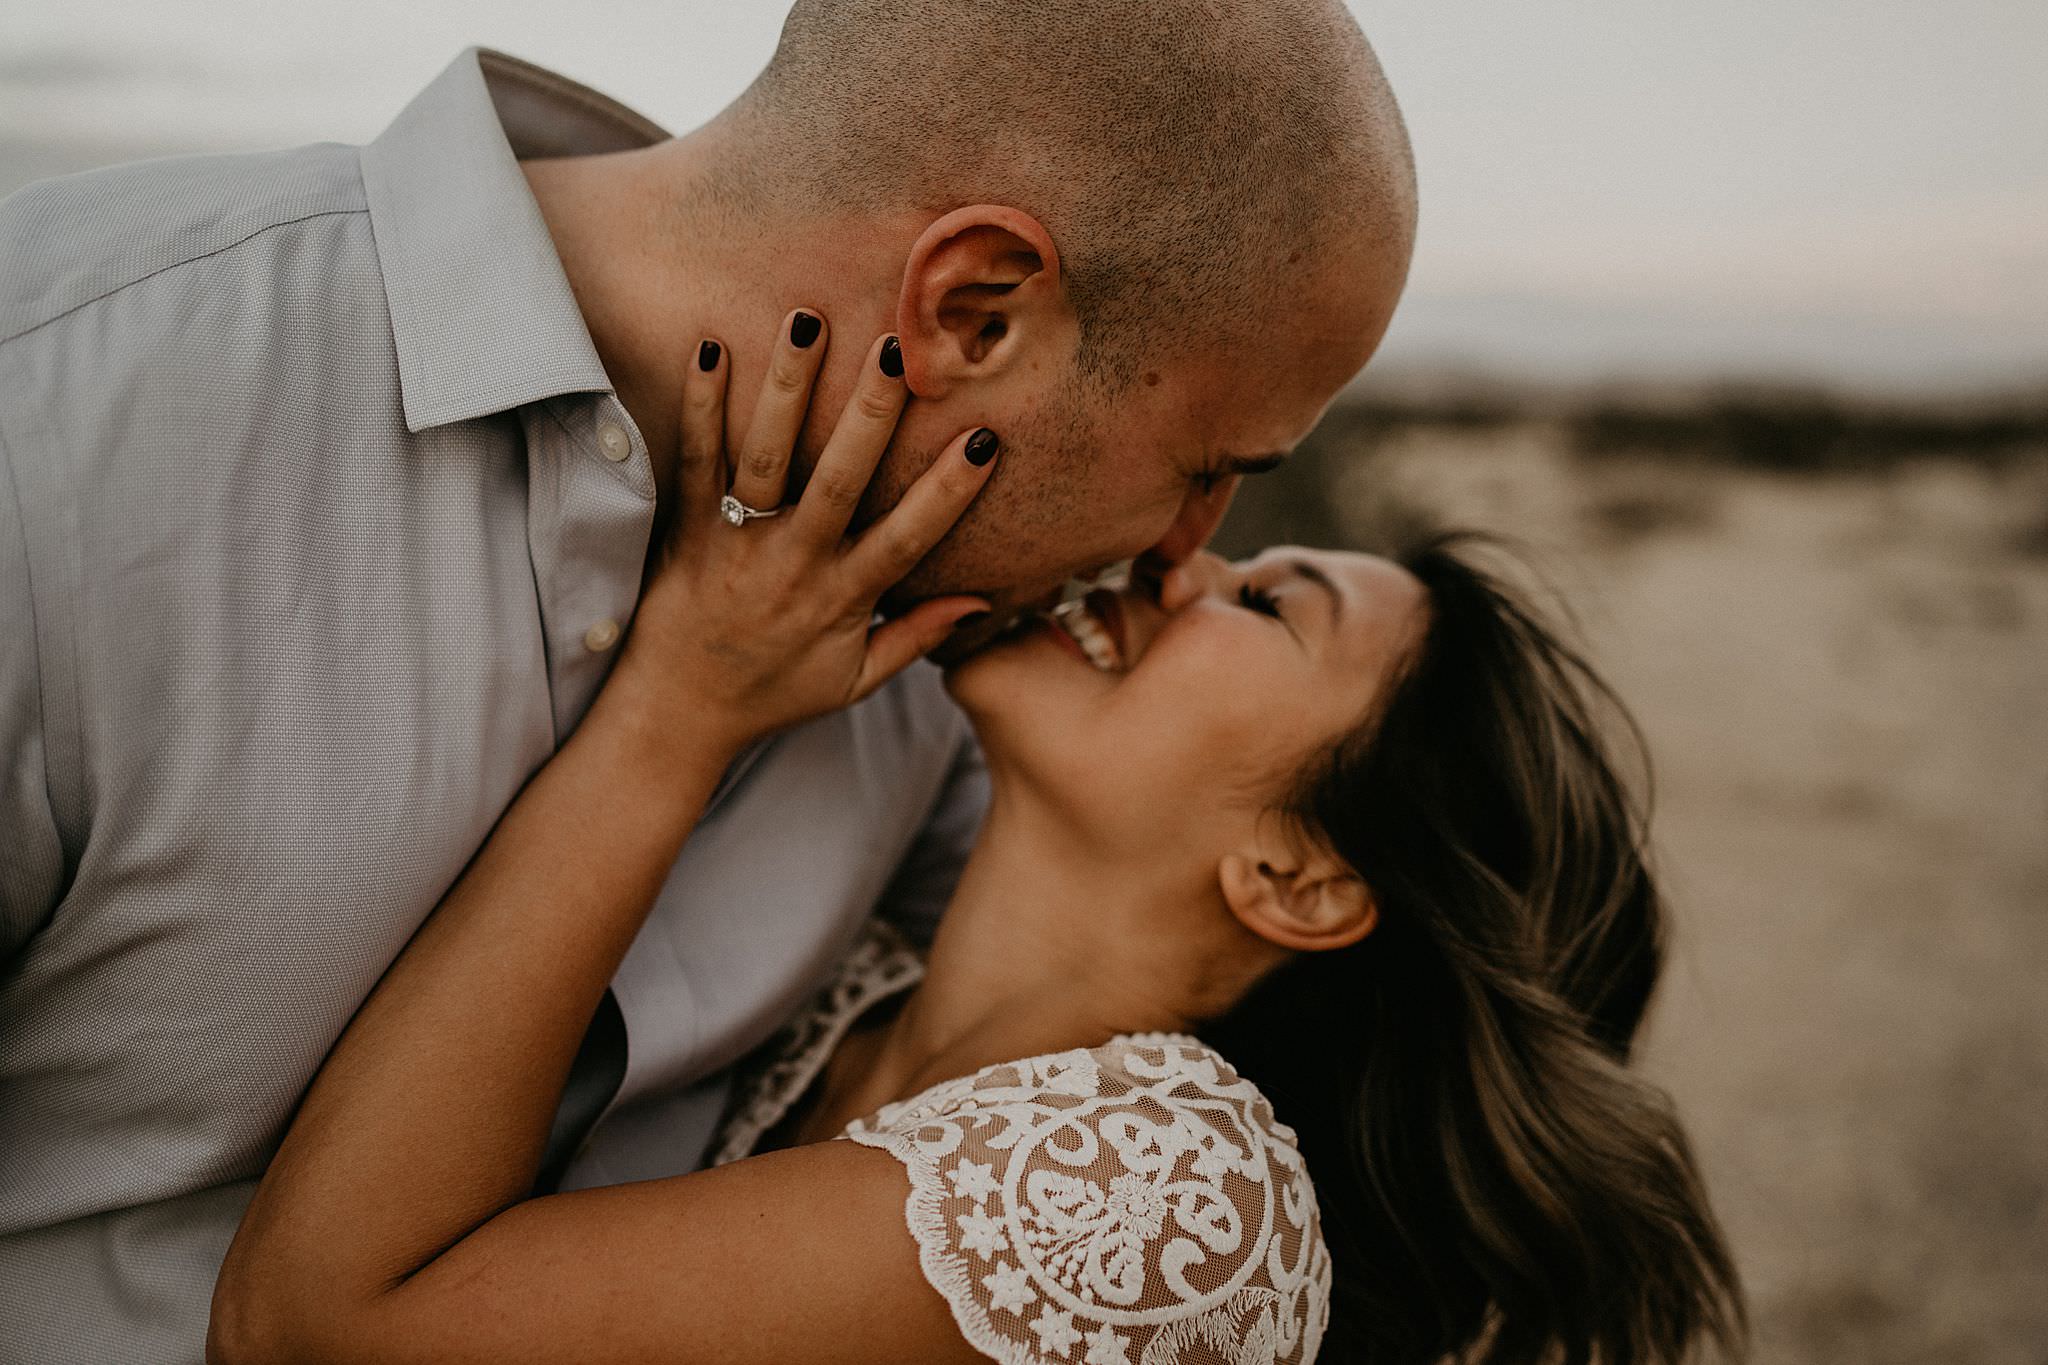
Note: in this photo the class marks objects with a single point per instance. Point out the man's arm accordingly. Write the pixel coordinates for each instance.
(31, 855)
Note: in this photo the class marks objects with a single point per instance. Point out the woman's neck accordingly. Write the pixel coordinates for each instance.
(1042, 951)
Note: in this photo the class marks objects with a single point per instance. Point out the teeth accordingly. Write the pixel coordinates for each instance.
(1081, 626)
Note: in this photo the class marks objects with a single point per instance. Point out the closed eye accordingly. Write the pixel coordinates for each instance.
(1237, 467)
(1259, 600)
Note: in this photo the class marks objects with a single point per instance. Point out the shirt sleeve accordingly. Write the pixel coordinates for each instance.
(1114, 1205)
(923, 882)
(31, 857)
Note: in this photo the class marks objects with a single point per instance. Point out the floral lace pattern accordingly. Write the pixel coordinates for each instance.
(771, 1081)
(1131, 1204)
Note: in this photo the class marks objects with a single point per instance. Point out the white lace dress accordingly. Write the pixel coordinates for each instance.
(1130, 1204)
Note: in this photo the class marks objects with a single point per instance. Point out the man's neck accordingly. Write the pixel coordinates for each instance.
(652, 278)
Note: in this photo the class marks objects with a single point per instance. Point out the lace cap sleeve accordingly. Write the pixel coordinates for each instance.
(1131, 1204)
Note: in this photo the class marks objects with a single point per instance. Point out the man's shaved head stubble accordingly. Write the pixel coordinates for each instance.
(1143, 240)
(1181, 152)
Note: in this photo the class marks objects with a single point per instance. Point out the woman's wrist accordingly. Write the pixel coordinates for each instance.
(661, 741)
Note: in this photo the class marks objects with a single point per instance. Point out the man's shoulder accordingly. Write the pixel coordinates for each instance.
(69, 242)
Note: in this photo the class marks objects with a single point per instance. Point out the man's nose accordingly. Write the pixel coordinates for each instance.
(1201, 512)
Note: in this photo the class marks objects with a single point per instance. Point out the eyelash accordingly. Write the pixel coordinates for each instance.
(1259, 600)
(1209, 480)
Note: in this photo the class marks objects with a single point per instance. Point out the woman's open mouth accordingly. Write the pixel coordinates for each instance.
(1092, 623)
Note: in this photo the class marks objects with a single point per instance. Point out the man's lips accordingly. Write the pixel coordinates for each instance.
(968, 641)
(963, 644)
(1103, 608)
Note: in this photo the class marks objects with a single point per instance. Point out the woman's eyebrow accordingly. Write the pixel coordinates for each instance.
(1322, 580)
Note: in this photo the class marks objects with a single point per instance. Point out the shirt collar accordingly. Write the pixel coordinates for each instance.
(481, 312)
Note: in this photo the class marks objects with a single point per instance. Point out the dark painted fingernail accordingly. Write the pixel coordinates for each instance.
(804, 329)
(892, 358)
(707, 356)
(981, 447)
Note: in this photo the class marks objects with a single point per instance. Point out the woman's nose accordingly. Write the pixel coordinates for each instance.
(1191, 578)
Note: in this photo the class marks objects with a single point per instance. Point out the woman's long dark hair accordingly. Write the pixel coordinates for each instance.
(1496, 1184)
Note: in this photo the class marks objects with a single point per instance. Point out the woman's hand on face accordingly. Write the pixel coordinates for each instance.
(745, 630)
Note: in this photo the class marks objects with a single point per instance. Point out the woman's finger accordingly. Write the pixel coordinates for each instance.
(762, 469)
(900, 643)
(700, 462)
(892, 547)
(856, 445)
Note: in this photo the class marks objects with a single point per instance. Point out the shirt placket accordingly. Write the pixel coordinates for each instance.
(590, 510)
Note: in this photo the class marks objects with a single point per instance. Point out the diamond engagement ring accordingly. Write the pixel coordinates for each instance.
(739, 514)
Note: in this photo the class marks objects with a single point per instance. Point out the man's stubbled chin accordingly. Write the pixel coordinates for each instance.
(969, 640)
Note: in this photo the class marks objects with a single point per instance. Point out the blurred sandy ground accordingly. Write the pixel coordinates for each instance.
(1844, 679)
(1843, 676)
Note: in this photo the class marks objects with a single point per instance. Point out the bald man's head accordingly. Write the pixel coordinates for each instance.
(1187, 157)
(1144, 241)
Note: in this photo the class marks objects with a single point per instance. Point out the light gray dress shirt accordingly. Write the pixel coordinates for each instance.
(319, 525)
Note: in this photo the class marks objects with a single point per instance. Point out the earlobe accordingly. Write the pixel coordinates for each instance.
(1308, 905)
(981, 285)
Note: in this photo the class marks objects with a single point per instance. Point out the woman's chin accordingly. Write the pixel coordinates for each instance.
(1025, 671)
(980, 679)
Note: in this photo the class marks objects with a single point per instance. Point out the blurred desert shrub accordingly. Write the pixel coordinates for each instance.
(1636, 463)
(1810, 432)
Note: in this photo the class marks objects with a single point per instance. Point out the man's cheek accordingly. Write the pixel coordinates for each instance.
(884, 491)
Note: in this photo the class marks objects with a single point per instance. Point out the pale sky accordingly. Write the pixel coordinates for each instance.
(1852, 190)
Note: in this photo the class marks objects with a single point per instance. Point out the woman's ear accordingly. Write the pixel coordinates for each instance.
(981, 287)
(1292, 890)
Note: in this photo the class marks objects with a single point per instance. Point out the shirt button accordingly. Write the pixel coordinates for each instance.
(601, 636)
(613, 441)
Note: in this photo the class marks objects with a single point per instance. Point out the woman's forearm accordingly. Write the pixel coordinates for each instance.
(429, 1118)
(431, 1114)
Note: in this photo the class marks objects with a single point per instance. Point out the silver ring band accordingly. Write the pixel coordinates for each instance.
(738, 513)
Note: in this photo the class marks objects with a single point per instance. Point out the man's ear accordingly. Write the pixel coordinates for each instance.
(982, 286)
(1292, 890)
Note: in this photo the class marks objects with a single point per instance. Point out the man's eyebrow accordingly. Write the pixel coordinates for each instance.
(1243, 465)
(1321, 580)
